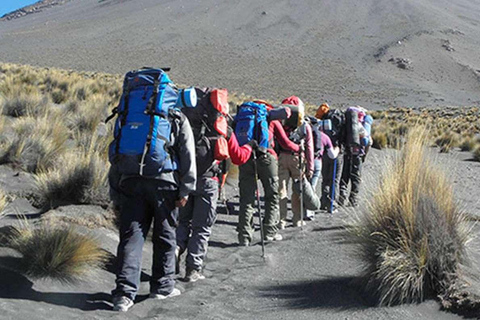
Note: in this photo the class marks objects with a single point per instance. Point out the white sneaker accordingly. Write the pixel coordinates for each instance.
(122, 303)
(160, 296)
(276, 237)
(300, 223)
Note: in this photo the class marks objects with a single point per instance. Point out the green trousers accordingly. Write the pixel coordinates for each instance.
(267, 167)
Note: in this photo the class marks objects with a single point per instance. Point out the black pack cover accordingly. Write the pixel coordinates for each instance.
(337, 134)
(202, 118)
(317, 136)
(352, 128)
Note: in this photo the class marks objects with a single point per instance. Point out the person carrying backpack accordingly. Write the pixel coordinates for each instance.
(358, 140)
(321, 143)
(153, 171)
(209, 124)
(331, 168)
(288, 161)
(252, 127)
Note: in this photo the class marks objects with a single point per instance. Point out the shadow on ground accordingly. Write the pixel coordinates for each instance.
(328, 293)
(17, 286)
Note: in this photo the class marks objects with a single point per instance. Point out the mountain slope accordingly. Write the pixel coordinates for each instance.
(335, 50)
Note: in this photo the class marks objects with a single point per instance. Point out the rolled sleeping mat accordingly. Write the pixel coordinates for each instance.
(187, 98)
(310, 199)
(360, 111)
(281, 113)
(325, 125)
(297, 117)
(367, 125)
(351, 124)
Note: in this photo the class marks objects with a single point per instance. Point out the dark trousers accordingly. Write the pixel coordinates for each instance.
(196, 221)
(352, 169)
(141, 201)
(267, 168)
(327, 179)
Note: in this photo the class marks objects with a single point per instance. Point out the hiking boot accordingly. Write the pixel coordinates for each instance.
(354, 202)
(335, 210)
(193, 275)
(244, 243)
(299, 223)
(122, 303)
(175, 292)
(282, 224)
(275, 237)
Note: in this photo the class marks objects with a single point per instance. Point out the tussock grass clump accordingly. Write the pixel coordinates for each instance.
(25, 104)
(36, 144)
(55, 252)
(476, 153)
(446, 141)
(413, 235)
(78, 178)
(468, 143)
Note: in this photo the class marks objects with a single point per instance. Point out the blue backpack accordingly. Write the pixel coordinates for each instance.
(251, 124)
(144, 128)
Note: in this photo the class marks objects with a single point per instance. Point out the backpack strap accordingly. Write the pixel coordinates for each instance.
(112, 115)
(123, 120)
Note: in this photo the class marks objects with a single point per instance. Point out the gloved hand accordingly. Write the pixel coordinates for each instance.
(253, 143)
(180, 203)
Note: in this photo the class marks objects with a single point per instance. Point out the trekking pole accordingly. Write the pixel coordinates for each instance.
(300, 164)
(332, 199)
(260, 219)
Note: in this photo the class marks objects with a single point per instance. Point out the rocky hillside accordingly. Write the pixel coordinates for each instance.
(36, 7)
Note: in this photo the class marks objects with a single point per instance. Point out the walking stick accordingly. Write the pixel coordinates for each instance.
(255, 169)
(260, 218)
(332, 199)
(300, 165)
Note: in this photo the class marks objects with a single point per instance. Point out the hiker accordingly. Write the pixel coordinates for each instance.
(209, 124)
(288, 161)
(358, 141)
(150, 178)
(321, 143)
(331, 168)
(252, 127)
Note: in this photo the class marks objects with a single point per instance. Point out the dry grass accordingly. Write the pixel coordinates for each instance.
(78, 178)
(476, 153)
(37, 142)
(3, 202)
(413, 235)
(447, 127)
(54, 252)
(468, 143)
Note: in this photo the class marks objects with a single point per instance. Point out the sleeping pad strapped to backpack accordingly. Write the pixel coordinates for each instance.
(251, 124)
(147, 117)
(318, 126)
(209, 126)
(337, 132)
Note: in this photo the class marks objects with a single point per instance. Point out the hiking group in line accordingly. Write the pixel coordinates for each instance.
(169, 161)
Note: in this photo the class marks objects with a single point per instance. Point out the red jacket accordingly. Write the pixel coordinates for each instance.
(238, 154)
(275, 130)
(241, 154)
